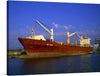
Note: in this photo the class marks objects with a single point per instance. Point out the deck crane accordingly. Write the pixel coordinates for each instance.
(84, 40)
(50, 32)
(80, 37)
(69, 35)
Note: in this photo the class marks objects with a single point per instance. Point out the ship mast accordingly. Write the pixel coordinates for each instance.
(50, 32)
(32, 31)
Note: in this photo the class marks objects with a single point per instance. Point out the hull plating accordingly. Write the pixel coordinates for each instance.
(36, 46)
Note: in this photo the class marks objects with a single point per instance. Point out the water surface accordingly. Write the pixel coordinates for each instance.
(72, 64)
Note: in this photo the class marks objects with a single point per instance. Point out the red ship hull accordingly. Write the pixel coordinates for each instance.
(37, 46)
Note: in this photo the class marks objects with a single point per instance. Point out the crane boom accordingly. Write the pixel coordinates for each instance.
(72, 34)
(50, 32)
(79, 36)
(43, 26)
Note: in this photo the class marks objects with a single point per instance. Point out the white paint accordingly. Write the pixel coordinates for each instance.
(49, 44)
(37, 37)
(85, 41)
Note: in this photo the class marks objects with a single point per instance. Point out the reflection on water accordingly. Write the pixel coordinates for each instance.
(74, 64)
(85, 63)
(69, 64)
(39, 65)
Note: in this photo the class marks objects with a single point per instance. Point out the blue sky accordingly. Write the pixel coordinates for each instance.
(63, 17)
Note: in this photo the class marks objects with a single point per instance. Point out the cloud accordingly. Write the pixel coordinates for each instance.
(62, 26)
(69, 26)
(66, 27)
(89, 32)
(56, 25)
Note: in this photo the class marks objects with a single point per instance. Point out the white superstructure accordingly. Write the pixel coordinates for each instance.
(37, 37)
(85, 41)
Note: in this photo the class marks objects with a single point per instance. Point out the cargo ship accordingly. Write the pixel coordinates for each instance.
(38, 44)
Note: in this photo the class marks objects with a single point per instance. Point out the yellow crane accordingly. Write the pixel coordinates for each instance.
(69, 35)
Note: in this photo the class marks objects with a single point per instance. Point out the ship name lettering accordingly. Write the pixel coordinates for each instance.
(49, 44)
